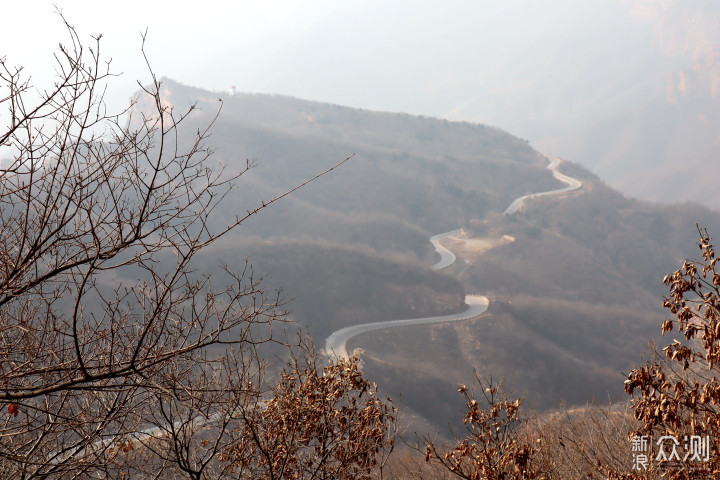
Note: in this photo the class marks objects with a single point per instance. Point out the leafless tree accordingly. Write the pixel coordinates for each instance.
(106, 327)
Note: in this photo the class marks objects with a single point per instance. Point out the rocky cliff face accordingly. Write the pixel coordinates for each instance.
(690, 32)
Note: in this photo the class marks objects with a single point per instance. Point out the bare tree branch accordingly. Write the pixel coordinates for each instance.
(104, 320)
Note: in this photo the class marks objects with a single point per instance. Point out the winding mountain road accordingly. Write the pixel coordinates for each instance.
(336, 343)
(447, 258)
(572, 184)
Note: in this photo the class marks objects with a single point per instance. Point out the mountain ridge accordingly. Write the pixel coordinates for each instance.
(353, 247)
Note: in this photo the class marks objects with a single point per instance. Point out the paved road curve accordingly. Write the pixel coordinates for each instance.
(572, 184)
(336, 344)
(447, 258)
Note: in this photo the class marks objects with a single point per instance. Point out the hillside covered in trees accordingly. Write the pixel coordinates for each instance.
(168, 277)
(575, 298)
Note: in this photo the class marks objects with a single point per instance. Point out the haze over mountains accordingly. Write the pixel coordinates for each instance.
(628, 89)
(574, 297)
(422, 219)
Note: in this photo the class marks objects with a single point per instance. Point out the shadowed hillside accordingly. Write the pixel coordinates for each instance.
(574, 296)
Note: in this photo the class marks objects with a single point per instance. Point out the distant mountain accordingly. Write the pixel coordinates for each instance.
(574, 298)
(667, 147)
(631, 90)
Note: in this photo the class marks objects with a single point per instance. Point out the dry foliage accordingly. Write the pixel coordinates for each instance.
(100, 309)
(577, 440)
(679, 396)
(114, 349)
(317, 425)
(118, 359)
(496, 446)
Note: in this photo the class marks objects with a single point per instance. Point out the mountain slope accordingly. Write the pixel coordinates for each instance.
(574, 299)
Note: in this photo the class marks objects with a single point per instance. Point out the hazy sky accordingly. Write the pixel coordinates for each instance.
(424, 57)
(552, 71)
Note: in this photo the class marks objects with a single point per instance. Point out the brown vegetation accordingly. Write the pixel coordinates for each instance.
(674, 400)
(118, 358)
(495, 447)
(315, 426)
(679, 396)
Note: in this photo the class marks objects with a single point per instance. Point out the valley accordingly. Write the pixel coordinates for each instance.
(573, 279)
(336, 343)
